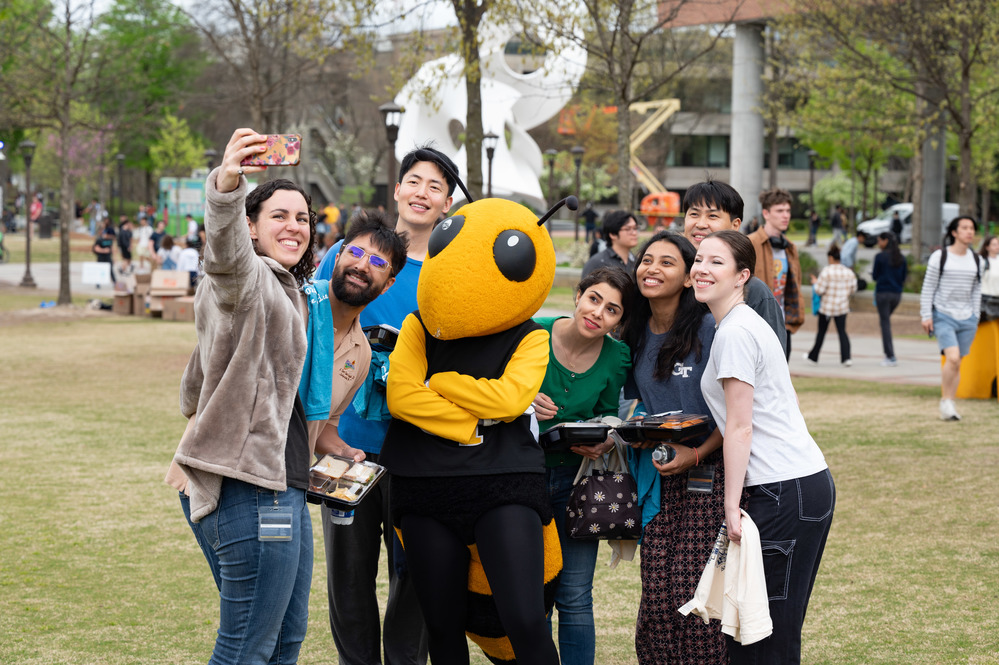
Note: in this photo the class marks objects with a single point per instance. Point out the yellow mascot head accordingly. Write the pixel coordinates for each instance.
(489, 267)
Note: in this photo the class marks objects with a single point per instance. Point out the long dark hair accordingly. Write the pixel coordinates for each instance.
(302, 270)
(984, 251)
(895, 257)
(683, 338)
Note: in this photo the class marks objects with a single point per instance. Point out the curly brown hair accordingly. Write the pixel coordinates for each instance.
(302, 270)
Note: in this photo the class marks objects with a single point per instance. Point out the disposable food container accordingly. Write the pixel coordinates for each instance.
(340, 482)
(671, 428)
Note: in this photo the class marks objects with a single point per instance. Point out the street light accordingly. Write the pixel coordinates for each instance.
(811, 179)
(27, 149)
(392, 114)
(577, 158)
(210, 155)
(121, 188)
(490, 140)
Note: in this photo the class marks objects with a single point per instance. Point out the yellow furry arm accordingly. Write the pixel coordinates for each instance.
(410, 400)
(504, 398)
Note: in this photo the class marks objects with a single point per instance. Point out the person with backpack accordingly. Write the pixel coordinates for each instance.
(950, 304)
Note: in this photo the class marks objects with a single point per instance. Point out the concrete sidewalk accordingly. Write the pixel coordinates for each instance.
(46, 276)
(918, 359)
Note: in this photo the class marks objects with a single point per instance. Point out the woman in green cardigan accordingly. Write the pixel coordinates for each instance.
(586, 370)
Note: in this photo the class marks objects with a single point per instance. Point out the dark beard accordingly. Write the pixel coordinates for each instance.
(349, 296)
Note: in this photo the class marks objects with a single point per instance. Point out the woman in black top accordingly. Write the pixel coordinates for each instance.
(890, 271)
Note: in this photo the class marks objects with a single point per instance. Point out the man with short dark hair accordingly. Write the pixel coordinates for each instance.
(777, 261)
(848, 252)
(620, 230)
(427, 178)
(712, 206)
(836, 222)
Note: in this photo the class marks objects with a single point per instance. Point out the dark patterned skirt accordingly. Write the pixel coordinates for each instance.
(676, 545)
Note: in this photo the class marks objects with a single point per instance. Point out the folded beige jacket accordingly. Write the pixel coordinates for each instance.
(733, 587)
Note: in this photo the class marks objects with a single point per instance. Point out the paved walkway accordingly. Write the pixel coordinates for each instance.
(918, 359)
(46, 276)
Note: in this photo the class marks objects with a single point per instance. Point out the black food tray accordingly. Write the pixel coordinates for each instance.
(322, 485)
(564, 436)
(675, 428)
(381, 337)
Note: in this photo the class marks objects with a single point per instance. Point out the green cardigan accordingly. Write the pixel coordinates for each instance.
(583, 395)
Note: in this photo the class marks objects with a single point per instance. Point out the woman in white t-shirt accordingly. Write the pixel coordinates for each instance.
(766, 446)
(950, 303)
(990, 278)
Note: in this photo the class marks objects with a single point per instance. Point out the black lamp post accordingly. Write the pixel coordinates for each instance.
(121, 187)
(490, 140)
(392, 114)
(577, 158)
(811, 179)
(210, 155)
(27, 149)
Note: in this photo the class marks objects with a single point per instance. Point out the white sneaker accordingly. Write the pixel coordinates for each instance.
(947, 410)
(889, 362)
(848, 362)
(809, 360)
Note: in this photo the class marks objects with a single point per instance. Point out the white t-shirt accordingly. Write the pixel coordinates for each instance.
(188, 260)
(746, 349)
(958, 293)
(990, 277)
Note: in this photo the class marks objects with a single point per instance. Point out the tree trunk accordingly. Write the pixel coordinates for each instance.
(469, 15)
(473, 117)
(774, 162)
(917, 208)
(986, 204)
(624, 179)
(65, 181)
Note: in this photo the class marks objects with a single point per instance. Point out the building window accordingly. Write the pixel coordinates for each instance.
(699, 151)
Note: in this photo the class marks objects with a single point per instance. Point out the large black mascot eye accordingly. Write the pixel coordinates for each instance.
(443, 234)
(515, 256)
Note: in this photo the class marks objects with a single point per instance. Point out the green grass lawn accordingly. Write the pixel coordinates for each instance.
(47, 250)
(98, 565)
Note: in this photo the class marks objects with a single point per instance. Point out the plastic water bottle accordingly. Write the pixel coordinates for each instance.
(343, 517)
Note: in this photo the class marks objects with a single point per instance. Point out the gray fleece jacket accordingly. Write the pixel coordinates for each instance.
(240, 384)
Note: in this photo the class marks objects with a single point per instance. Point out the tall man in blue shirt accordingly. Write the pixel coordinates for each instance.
(423, 195)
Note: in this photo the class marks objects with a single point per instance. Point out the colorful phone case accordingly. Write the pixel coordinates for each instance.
(282, 150)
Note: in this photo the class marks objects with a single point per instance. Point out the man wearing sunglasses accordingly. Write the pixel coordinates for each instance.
(427, 179)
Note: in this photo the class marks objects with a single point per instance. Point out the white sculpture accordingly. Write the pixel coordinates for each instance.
(512, 103)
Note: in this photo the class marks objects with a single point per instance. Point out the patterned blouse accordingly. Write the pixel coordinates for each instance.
(836, 283)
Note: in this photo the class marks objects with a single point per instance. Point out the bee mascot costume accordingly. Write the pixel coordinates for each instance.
(468, 494)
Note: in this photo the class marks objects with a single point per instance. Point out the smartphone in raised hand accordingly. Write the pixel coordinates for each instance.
(282, 150)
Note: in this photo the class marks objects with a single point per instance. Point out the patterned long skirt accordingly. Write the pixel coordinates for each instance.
(676, 545)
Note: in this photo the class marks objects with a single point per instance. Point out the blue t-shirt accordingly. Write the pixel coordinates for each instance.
(681, 393)
(389, 308)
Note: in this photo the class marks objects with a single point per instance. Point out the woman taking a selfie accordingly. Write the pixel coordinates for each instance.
(586, 369)
(767, 448)
(245, 453)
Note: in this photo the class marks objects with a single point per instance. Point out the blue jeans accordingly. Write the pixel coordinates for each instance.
(574, 598)
(793, 517)
(206, 547)
(264, 592)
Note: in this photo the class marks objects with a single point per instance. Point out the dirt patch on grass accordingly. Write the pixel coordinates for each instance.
(866, 323)
(57, 314)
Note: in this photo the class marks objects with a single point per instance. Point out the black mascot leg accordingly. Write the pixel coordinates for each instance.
(511, 547)
(438, 565)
